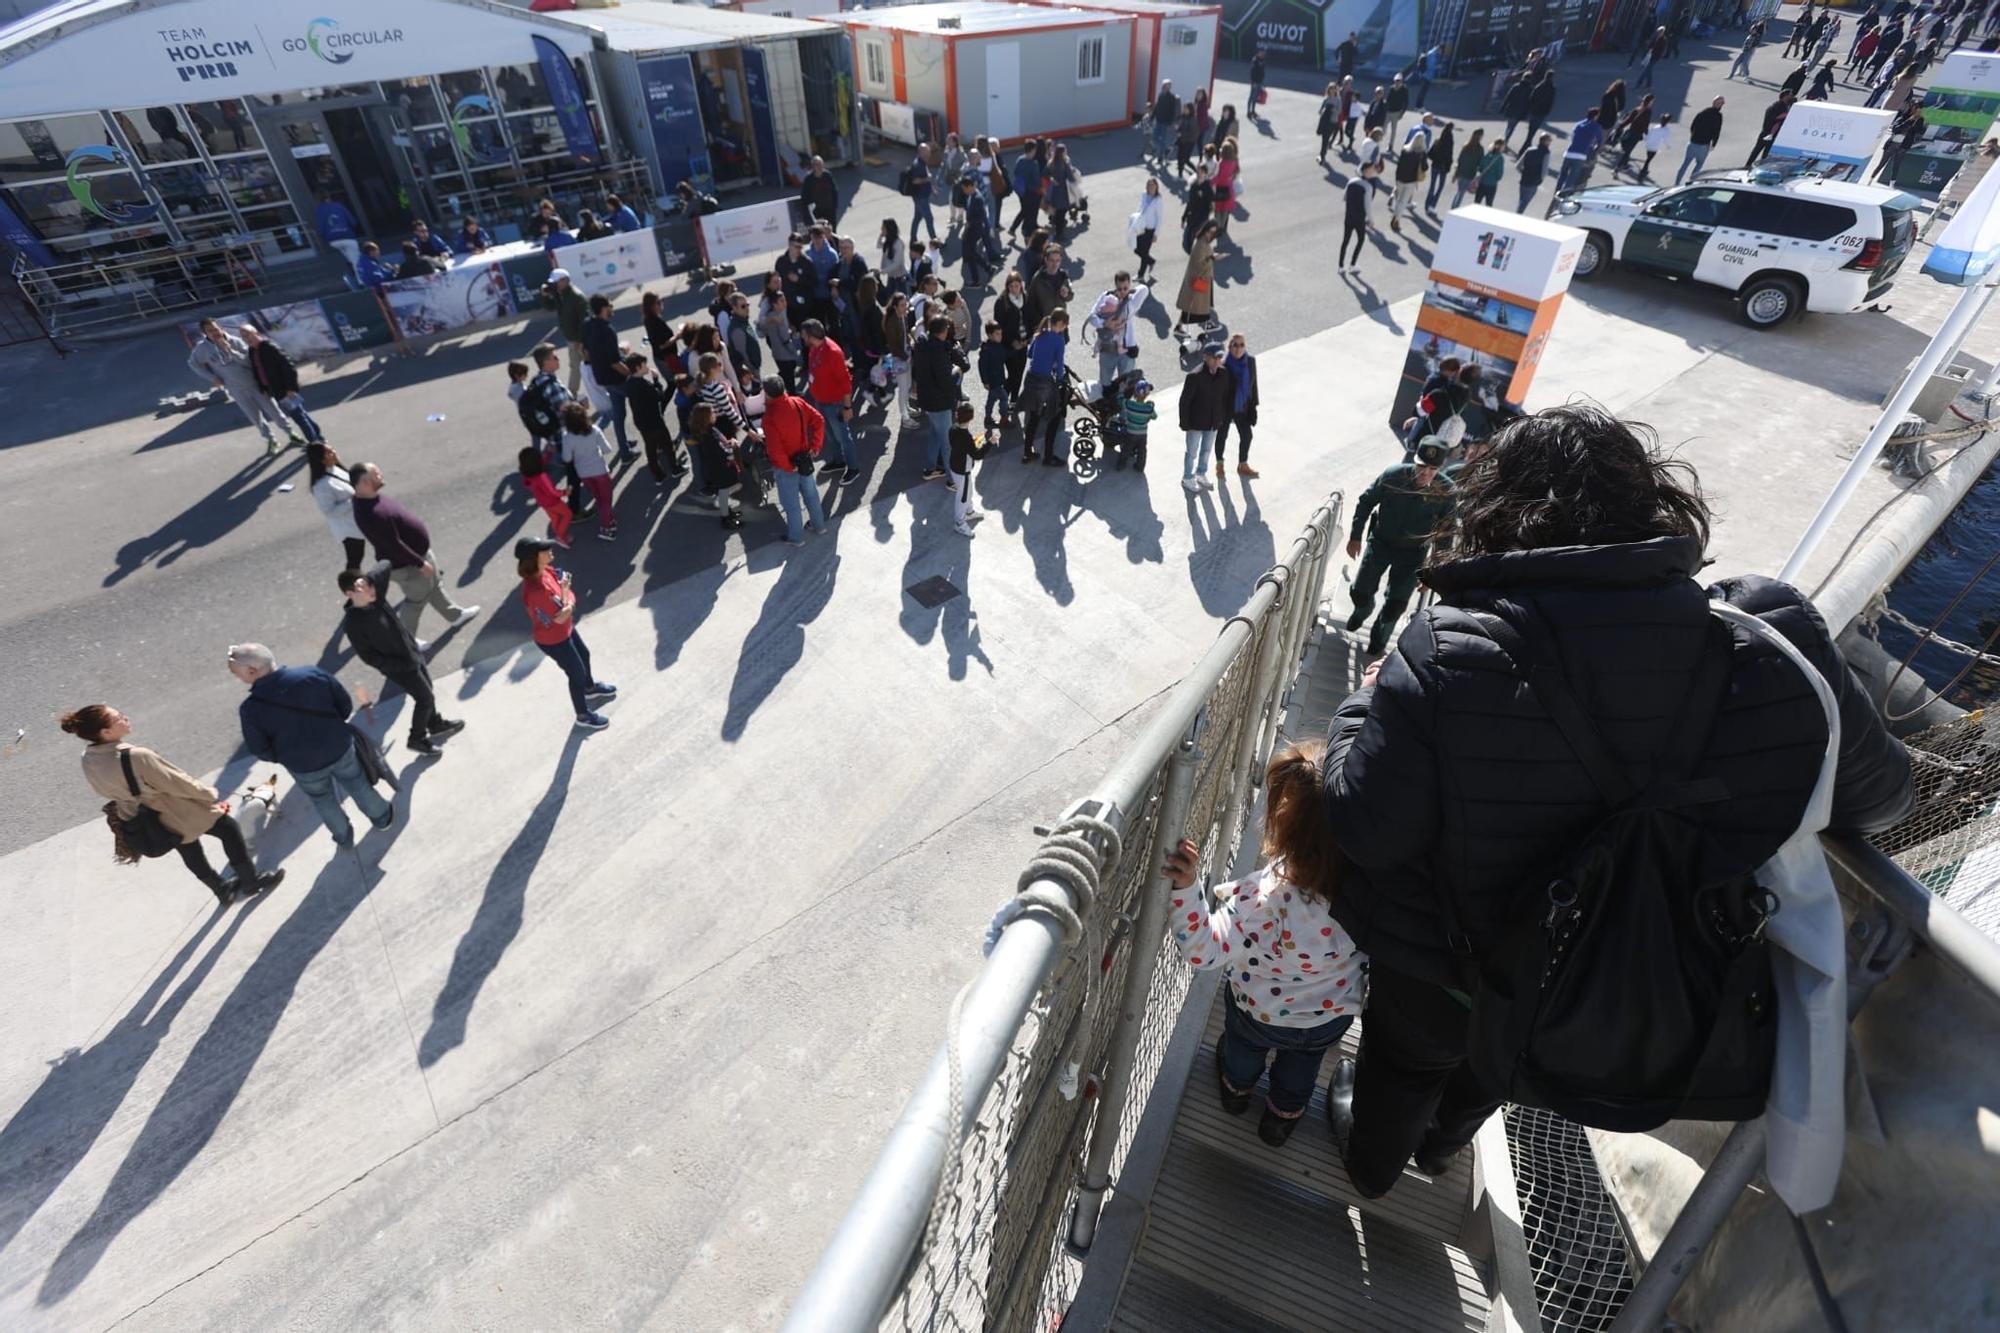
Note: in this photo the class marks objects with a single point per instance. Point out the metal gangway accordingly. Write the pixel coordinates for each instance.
(1049, 1173)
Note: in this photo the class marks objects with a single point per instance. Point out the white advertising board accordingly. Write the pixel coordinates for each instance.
(207, 49)
(1515, 255)
(899, 122)
(746, 233)
(1833, 135)
(611, 262)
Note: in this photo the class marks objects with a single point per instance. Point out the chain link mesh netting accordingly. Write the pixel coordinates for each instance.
(1951, 839)
(999, 1261)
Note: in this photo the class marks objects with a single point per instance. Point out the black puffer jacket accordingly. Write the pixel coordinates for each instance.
(1447, 776)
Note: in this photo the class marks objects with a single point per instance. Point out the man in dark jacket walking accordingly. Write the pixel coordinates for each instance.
(1206, 399)
(402, 539)
(820, 193)
(1704, 132)
(1451, 788)
(381, 640)
(1541, 101)
(1406, 502)
(297, 716)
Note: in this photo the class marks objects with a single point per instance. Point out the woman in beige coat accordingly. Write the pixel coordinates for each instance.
(1197, 298)
(188, 808)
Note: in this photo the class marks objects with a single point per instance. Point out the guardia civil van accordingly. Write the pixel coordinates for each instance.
(1782, 244)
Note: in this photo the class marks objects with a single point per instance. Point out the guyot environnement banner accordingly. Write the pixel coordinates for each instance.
(1496, 282)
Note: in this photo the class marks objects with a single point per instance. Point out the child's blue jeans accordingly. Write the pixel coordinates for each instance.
(1245, 1042)
(996, 395)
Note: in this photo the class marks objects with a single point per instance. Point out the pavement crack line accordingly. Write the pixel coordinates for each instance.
(643, 1006)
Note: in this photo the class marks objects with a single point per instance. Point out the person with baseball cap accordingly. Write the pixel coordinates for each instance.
(572, 310)
(1207, 397)
(551, 605)
(1406, 502)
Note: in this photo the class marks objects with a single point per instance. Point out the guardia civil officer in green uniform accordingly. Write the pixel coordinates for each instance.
(1406, 501)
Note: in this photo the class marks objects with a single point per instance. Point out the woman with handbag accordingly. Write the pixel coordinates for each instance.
(154, 808)
(1227, 186)
(1197, 296)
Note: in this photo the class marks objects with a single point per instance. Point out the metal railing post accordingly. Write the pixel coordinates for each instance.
(1147, 930)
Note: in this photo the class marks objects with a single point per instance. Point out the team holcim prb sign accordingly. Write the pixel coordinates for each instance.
(1496, 282)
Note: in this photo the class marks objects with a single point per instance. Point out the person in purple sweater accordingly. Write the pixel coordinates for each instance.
(401, 538)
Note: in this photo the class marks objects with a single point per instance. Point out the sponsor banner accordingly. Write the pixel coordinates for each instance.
(1496, 283)
(1838, 140)
(570, 105)
(673, 113)
(679, 245)
(202, 50)
(898, 122)
(1501, 31)
(611, 262)
(1959, 109)
(463, 294)
(757, 91)
(525, 275)
(746, 233)
(357, 320)
(1307, 32)
(27, 242)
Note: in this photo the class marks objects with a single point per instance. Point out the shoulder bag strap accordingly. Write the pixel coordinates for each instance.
(125, 762)
(1545, 678)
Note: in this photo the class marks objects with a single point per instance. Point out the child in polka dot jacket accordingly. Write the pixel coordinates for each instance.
(1295, 977)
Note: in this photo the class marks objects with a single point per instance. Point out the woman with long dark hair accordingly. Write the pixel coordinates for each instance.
(333, 491)
(131, 778)
(1010, 311)
(1568, 564)
(551, 607)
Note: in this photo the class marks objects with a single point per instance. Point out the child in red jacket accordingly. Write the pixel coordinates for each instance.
(535, 476)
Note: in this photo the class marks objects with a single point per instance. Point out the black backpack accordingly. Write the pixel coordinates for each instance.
(1632, 985)
(542, 418)
(145, 833)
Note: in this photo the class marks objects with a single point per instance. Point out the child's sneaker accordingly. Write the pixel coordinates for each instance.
(1192, 485)
(592, 722)
(962, 528)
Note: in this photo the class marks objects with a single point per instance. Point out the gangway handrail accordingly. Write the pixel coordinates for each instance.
(1936, 924)
(871, 1255)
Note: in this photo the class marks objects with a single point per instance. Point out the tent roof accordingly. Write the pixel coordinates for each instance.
(974, 16)
(659, 25)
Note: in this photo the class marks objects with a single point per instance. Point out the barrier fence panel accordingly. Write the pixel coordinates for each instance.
(965, 1228)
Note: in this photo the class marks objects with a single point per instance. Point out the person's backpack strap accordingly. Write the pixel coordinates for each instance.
(1545, 678)
(132, 781)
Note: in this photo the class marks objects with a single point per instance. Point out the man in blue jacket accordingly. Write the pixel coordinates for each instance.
(297, 716)
(337, 227)
(1585, 138)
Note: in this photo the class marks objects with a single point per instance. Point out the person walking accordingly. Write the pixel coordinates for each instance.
(1256, 83)
(1486, 181)
(1657, 139)
(794, 431)
(1438, 159)
(1196, 302)
(1409, 175)
(1751, 41)
(560, 295)
(975, 240)
(1143, 227)
(1822, 84)
(297, 717)
(820, 194)
(830, 389)
(916, 187)
(333, 493)
(1465, 172)
(1395, 103)
(1611, 106)
(1197, 206)
(1359, 190)
(1042, 405)
(401, 538)
(1656, 51)
(1532, 168)
(1207, 397)
(1187, 136)
(1541, 104)
(1704, 132)
(335, 224)
(551, 605)
(1227, 182)
(1576, 546)
(1585, 138)
(934, 373)
(1026, 179)
(1774, 120)
(1514, 110)
(1166, 117)
(133, 778)
(1242, 368)
(1059, 184)
(279, 379)
(1631, 132)
(588, 455)
(1225, 127)
(382, 641)
(225, 363)
(1329, 122)
(1396, 516)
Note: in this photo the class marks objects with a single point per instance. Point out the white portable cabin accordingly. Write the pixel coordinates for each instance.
(1169, 41)
(722, 97)
(1009, 71)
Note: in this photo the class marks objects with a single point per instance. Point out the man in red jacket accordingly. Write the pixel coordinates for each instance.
(830, 388)
(793, 432)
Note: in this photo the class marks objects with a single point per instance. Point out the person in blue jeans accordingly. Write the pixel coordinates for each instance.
(1585, 138)
(1294, 976)
(297, 716)
(1043, 388)
(934, 369)
(794, 431)
(607, 370)
(551, 606)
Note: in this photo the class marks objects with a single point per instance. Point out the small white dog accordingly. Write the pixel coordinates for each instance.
(255, 808)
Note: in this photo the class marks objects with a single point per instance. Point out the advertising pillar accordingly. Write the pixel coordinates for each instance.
(1835, 140)
(1495, 285)
(1958, 110)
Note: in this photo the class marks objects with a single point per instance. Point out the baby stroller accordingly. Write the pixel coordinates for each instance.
(1193, 337)
(1100, 406)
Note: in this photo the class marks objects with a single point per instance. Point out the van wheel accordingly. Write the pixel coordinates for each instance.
(1595, 256)
(1767, 302)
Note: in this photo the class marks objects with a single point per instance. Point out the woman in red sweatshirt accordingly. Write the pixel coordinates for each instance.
(551, 605)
